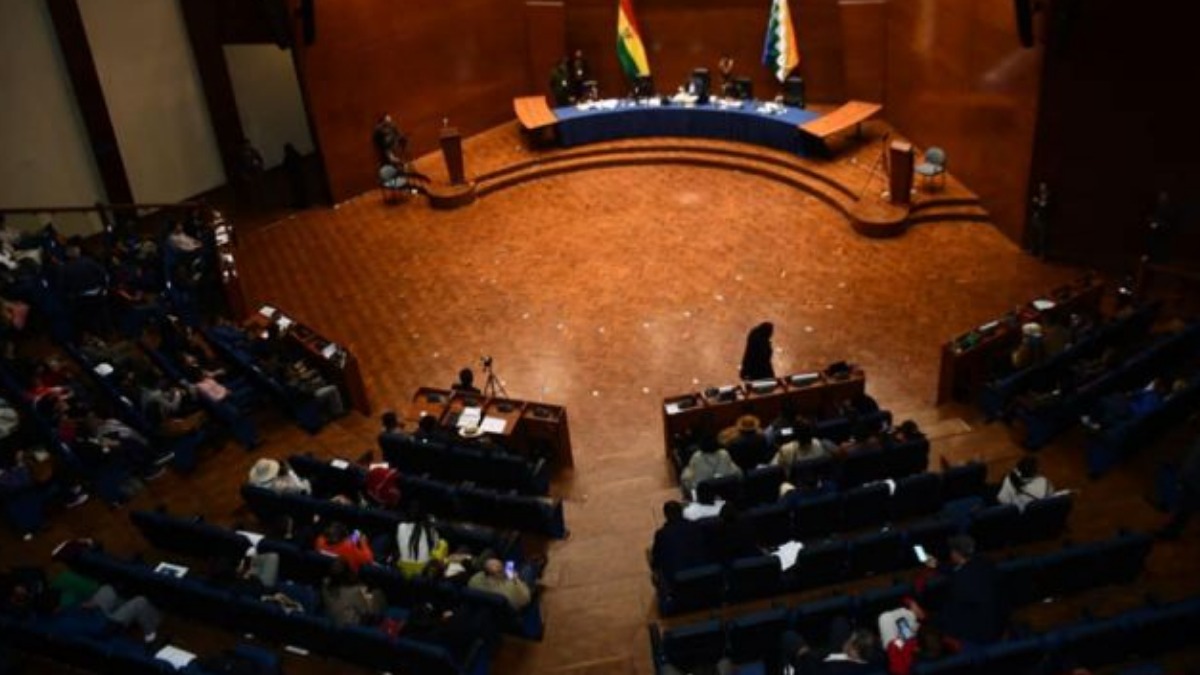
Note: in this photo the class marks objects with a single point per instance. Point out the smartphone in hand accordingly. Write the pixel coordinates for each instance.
(355, 537)
(904, 629)
(510, 569)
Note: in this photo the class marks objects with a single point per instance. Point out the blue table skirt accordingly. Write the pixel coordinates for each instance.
(743, 125)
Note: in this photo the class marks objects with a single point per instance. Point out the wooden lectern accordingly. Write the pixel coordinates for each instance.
(451, 142)
(900, 177)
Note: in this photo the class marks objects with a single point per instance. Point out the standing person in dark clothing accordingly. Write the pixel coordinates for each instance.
(1039, 220)
(973, 612)
(1189, 494)
(756, 360)
(84, 283)
(679, 544)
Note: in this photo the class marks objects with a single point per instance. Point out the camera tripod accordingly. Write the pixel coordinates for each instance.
(492, 387)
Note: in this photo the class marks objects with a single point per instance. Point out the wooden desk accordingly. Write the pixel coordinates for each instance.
(533, 112)
(849, 115)
(335, 362)
(697, 413)
(966, 360)
(530, 427)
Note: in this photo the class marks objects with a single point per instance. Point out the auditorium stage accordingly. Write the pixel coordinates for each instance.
(851, 178)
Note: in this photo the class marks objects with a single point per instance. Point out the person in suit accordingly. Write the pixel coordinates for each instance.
(747, 445)
(973, 612)
(756, 360)
(466, 382)
(679, 544)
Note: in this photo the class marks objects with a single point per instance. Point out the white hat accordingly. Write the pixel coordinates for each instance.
(1032, 329)
(470, 431)
(264, 471)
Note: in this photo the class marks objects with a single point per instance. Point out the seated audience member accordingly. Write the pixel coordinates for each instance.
(126, 445)
(170, 409)
(858, 405)
(784, 426)
(352, 547)
(253, 573)
(864, 436)
(803, 448)
(973, 611)
(859, 653)
(300, 378)
(1024, 484)
(69, 600)
(418, 543)
(428, 430)
(708, 462)
(278, 477)
(390, 427)
(905, 432)
(466, 382)
(382, 487)
(494, 579)
(181, 241)
(1032, 349)
(17, 475)
(746, 443)
(679, 544)
(347, 601)
(733, 537)
(1120, 407)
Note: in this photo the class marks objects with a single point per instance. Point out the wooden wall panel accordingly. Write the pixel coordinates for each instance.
(864, 40)
(680, 36)
(1116, 128)
(546, 32)
(422, 60)
(957, 77)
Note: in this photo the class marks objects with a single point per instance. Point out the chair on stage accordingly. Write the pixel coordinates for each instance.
(743, 88)
(933, 167)
(793, 91)
(392, 183)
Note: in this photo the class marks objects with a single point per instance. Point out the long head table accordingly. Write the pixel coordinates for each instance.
(744, 122)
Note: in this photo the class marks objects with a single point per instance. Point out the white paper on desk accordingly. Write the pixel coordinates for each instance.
(267, 311)
(787, 554)
(329, 350)
(339, 464)
(698, 511)
(673, 408)
(175, 656)
(284, 323)
(493, 425)
(470, 417)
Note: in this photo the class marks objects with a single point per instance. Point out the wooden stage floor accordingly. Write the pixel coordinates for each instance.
(606, 290)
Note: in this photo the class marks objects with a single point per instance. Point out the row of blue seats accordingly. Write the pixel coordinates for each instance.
(996, 395)
(1025, 581)
(870, 504)
(1109, 446)
(454, 462)
(367, 646)
(53, 639)
(1043, 422)
(303, 408)
(836, 561)
(524, 513)
(301, 564)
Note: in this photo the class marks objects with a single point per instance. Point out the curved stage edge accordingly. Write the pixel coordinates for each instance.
(838, 182)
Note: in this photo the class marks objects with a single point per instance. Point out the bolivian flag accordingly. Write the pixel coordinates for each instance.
(780, 51)
(630, 51)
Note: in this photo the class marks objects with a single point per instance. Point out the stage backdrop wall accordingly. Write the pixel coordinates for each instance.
(422, 60)
(1116, 127)
(680, 36)
(957, 77)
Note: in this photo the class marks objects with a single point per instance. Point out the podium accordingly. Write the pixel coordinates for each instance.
(458, 192)
(451, 142)
(900, 177)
